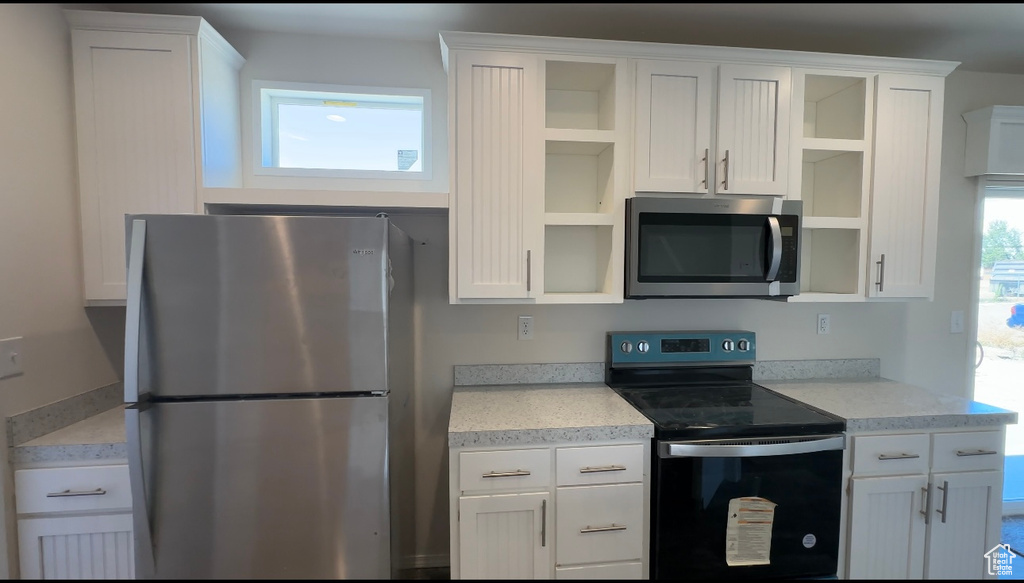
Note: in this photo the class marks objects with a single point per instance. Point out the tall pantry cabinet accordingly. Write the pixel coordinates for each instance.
(157, 116)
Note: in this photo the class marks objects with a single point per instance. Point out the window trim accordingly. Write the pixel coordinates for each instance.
(264, 144)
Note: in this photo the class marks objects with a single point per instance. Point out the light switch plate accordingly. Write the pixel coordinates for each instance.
(956, 322)
(10, 357)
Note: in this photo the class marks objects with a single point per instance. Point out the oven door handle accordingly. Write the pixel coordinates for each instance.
(717, 449)
(776, 249)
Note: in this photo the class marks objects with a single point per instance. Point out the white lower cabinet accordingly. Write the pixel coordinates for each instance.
(75, 523)
(575, 511)
(924, 505)
(504, 536)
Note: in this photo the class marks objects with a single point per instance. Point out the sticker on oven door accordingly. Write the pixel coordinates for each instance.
(748, 535)
(810, 540)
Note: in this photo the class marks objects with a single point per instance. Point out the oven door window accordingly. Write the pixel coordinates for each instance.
(685, 248)
(691, 513)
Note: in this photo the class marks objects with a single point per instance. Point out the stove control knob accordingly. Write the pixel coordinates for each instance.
(743, 345)
(643, 346)
(728, 345)
(626, 347)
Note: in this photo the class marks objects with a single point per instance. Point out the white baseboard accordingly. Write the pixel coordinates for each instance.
(1013, 507)
(425, 561)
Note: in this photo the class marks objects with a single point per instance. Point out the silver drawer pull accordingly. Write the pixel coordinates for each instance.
(506, 474)
(965, 453)
(899, 456)
(611, 528)
(590, 470)
(69, 493)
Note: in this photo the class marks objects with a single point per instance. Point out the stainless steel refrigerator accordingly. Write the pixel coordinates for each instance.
(268, 369)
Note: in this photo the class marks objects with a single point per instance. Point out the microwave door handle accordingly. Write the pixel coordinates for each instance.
(776, 248)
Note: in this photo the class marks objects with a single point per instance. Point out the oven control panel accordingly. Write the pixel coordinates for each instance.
(699, 347)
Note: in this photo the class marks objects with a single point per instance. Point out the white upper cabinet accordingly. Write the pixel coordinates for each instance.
(673, 126)
(676, 120)
(543, 132)
(156, 108)
(905, 191)
(753, 129)
(495, 220)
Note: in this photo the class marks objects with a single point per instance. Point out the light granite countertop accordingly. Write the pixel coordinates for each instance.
(527, 414)
(100, 437)
(879, 404)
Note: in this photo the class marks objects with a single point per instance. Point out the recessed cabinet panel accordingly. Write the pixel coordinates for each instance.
(673, 126)
(133, 98)
(753, 129)
(495, 108)
(904, 213)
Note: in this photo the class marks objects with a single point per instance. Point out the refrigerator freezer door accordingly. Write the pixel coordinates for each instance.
(252, 305)
(276, 488)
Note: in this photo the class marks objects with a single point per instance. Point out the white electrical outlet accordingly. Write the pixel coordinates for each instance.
(526, 327)
(956, 322)
(823, 324)
(10, 357)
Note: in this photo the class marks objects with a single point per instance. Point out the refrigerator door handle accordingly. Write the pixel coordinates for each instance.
(145, 566)
(133, 311)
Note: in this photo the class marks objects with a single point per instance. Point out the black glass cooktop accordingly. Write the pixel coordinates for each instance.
(736, 409)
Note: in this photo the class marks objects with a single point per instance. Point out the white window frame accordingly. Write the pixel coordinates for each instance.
(263, 128)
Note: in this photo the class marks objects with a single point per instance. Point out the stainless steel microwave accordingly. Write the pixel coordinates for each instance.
(728, 247)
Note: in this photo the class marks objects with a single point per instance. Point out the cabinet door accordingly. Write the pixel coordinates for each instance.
(965, 523)
(498, 205)
(77, 547)
(753, 129)
(136, 150)
(905, 186)
(505, 537)
(887, 527)
(673, 126)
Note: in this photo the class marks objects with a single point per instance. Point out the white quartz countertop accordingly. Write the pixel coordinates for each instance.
(879, 404)
(528, 414)
(99, 437)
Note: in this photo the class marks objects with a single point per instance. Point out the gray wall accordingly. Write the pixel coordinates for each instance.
(65, 346)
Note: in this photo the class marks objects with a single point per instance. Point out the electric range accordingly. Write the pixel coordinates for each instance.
(745, 483)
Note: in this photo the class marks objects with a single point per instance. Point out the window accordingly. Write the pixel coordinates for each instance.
(343, 132)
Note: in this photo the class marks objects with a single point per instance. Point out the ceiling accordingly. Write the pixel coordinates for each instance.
(983, 37)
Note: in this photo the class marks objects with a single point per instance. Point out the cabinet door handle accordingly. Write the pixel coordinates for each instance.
(529, 272)
(70, 493)
(705, 161)
(589, 529)
(924, 502)
(590, 470)
(897, 456)
(506, 474)
(965, 453)
(881, 273)
(543, 523)
(725, 174)
(945, 499)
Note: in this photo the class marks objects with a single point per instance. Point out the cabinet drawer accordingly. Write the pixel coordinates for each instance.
(967, 451)
(606, 464)
(633, 570)
(514, 469)
(72, 489)
(599, 523)
(882, 455)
